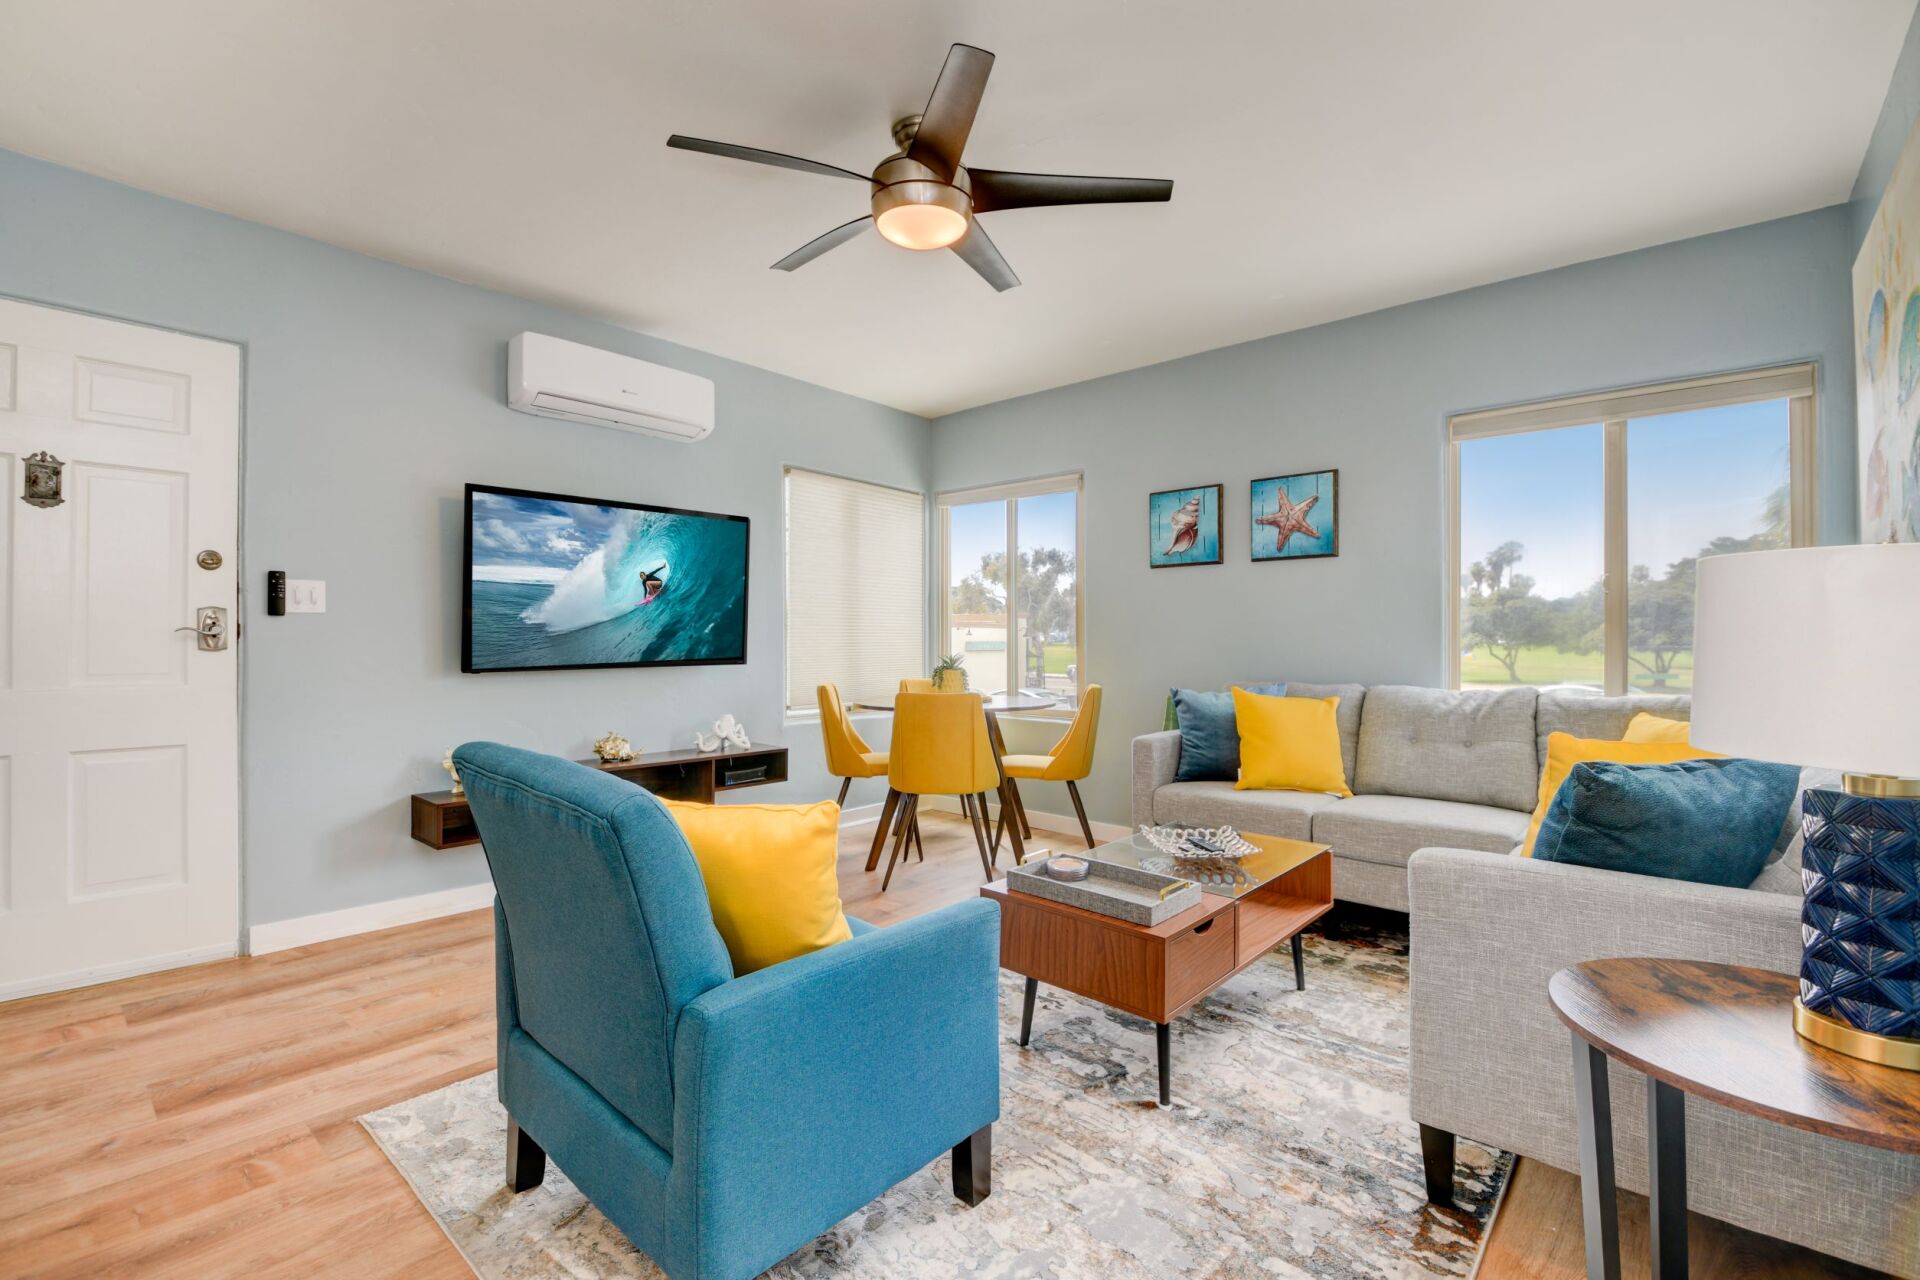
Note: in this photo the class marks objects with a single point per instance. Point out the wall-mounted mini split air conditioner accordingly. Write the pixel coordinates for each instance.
(557, 379)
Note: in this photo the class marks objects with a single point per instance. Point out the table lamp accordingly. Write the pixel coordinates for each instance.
(1812, 657)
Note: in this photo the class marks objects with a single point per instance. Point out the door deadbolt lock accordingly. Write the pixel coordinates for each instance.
(210, 624)
(209, 559)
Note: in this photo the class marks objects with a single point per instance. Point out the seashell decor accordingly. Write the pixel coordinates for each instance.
(613, 748)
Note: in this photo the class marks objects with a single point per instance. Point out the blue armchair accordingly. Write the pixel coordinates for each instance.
(720, 1122)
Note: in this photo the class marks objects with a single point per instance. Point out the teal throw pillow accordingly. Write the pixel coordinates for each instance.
(1209, 738)
(1708, 821)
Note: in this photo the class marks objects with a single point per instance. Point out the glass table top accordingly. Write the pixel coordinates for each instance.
(995, 702)
(1222, 877)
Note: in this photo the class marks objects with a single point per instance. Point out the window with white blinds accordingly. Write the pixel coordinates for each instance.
(856, 588)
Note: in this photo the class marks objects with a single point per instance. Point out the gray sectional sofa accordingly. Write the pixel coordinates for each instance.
(1444, 783)
(1428, 767)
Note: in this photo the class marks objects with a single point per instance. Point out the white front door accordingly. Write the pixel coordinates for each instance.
(119, 736)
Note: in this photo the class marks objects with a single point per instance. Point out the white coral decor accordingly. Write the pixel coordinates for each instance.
(727, 732)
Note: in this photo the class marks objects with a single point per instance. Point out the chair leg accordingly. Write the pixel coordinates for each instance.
(986, 825)
(973, 1167)
(999, 828)
(978, 822)
(887, 812)
(918, 844)
(966, 806)
(1436, 1157)
(1080, 811)
(526, 1162)
(902, 827)
(841, 800)
(1020, 809)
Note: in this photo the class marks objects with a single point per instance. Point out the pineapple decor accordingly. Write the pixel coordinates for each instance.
(949, 676)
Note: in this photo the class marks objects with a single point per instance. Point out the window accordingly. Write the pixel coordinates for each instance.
(1014, 620)
(856, 587)
(1576, 524)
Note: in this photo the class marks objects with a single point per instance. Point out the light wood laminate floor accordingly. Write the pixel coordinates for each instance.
(201, 1122)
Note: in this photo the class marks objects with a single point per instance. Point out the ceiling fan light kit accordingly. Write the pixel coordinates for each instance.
(923, 198)
(916, 208)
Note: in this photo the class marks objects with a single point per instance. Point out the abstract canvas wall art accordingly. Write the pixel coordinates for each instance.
(1295, 517)
(1886, 340)
(1183, 526)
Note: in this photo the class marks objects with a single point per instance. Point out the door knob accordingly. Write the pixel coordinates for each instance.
(210, 624)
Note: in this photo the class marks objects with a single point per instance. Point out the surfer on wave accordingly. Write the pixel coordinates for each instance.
(652, 583)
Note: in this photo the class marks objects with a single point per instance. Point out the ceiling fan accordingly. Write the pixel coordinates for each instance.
(923, 198)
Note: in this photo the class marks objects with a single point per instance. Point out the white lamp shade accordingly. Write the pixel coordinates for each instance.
(1811, 657)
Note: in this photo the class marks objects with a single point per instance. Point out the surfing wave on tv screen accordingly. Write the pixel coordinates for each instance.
(570, 582)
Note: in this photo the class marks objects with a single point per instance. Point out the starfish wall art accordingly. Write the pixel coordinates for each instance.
(1295, 517)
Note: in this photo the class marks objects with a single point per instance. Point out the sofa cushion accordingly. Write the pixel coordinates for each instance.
(1387, 829)
(1475, 746)
(1586, 714)
(1287, 814)
(1209, 731)
(1705, 821)
(1564, 753)
(1288, 744)
(1347, 715)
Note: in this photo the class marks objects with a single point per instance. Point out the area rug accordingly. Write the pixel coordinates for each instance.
(1287, 1151)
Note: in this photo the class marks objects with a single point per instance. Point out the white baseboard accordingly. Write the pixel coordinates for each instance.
(859, 815)
(282, 935)
(114, 972)
(1062, 822)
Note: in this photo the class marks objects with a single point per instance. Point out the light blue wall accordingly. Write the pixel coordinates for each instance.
(1890, 132)
(1370, 396)
(373, 393)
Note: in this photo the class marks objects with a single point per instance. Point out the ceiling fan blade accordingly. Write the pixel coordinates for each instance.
(999, 189)
(948, 119)
(820, 244)
(758, 156)
(979, 253)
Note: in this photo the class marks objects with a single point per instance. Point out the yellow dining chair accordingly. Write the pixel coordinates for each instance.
(848, 755)
(1070, 760)
(910, 684)
(940, 748)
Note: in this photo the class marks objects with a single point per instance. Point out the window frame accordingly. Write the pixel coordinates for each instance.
(1011, 492)
(1797, 384)
(800, 713)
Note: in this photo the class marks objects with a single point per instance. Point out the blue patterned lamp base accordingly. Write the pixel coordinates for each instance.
(1860, 922)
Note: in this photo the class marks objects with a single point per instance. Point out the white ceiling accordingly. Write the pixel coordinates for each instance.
(1329, 158)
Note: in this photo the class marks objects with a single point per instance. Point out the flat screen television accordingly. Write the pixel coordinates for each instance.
(556, 582)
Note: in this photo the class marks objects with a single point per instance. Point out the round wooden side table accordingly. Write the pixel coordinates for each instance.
(1719, 1032)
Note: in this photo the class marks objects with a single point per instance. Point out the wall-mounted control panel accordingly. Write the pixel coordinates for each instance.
(294, 595)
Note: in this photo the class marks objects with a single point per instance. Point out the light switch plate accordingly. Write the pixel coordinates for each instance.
(306, 595)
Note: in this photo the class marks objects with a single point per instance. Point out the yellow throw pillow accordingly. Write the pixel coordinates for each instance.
(1565, 751)
(1647, 727)
(1288, 744)
(771, 876)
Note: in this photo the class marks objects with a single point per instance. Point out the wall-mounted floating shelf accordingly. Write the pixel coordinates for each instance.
(441, 818)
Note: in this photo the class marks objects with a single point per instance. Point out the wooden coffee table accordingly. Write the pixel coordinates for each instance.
(1159, 972)
(1719, 1032)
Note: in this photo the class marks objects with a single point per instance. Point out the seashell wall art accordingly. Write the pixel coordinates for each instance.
(1183, 526)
